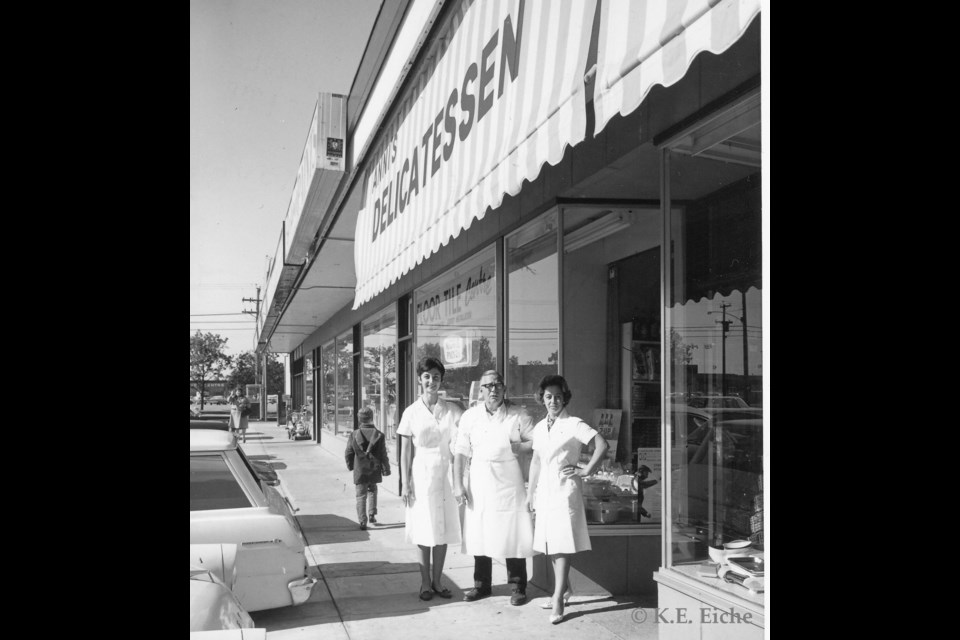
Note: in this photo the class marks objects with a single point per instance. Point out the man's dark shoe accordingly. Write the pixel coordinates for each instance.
(518, 598)
(476, 593)
(373, 520)
(363, 526)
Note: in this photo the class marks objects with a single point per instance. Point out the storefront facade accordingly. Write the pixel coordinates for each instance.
(511, 214)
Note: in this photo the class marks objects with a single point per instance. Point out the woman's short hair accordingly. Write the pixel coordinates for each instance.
(427, 363)
(554, 381)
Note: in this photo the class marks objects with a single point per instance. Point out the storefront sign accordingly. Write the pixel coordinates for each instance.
(505, 98)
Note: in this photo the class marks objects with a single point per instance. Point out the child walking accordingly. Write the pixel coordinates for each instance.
(366, 456)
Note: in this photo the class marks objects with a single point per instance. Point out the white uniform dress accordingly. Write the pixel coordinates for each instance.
(434, 517)
(496, 523)
(561, 525)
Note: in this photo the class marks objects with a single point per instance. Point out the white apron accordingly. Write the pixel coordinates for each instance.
(497, 523)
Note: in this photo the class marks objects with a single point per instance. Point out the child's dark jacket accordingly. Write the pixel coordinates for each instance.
(366, 455)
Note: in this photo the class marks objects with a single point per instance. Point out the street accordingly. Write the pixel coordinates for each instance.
(369, 580)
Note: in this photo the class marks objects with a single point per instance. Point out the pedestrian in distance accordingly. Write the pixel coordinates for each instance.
(496, 521)
(556, 485)
(366, 455)
(428, 429)
(239, 412)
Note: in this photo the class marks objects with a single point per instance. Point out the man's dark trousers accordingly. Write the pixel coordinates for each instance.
(483, 572)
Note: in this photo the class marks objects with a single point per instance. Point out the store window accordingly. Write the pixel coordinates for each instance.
(328, 386)
(611, 351)
(533, 310)
(308, 377)
(296, 379)
(714, 325)
(344, 394)
(456, 316)
(380, 370)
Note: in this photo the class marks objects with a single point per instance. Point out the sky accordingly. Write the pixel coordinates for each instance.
(256, 68)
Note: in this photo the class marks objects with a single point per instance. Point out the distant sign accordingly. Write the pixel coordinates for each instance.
(335, 147)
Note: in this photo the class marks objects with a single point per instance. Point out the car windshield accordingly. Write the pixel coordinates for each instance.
(213, 485)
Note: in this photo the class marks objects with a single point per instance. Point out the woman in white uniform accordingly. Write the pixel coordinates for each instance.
(429, 430)
(556, 484)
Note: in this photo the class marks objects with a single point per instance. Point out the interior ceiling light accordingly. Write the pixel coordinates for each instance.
(596, 230)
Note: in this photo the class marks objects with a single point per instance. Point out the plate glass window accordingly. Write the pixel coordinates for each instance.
(533, 310)
(344, 417)
(714, 324)
(380, 370)
(456, 317)
(328, 378)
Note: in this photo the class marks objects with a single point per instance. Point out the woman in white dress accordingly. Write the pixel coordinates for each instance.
(556, 484)
(429, 430)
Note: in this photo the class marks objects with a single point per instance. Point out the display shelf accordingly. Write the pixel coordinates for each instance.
(622, 529)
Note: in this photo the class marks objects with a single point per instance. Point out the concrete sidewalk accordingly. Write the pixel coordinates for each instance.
(369, 580)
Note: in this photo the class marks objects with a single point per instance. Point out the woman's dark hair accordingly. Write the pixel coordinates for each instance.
(428, 363)
(554, 381)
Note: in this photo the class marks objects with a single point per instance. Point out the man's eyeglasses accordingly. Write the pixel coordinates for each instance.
(493, 386)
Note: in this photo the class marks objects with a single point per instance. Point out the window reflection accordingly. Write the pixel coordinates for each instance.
(456, 318)
(380, 370)
(715, 328)
(533, 308)
(344, 403)
(328, 389)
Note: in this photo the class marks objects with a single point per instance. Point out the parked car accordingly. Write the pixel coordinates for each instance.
(730, 407)
(234, 501)
(213, 606)
(720, 472)
(217, 400)
(716, 402)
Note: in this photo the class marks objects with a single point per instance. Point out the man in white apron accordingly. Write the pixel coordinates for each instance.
(496, 521)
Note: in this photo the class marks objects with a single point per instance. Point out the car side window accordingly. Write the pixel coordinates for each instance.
(213, 485)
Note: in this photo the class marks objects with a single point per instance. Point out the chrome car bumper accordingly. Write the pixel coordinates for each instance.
(301, 589)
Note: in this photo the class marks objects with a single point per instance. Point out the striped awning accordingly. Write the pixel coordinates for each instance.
(506, 96)
(643, 43)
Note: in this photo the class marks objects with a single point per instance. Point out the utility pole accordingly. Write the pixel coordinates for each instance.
(746, 369)
(725, 325)
(256, 362)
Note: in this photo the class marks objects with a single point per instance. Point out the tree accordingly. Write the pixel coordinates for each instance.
(207, 359)
(245, 369)
(680, 352)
